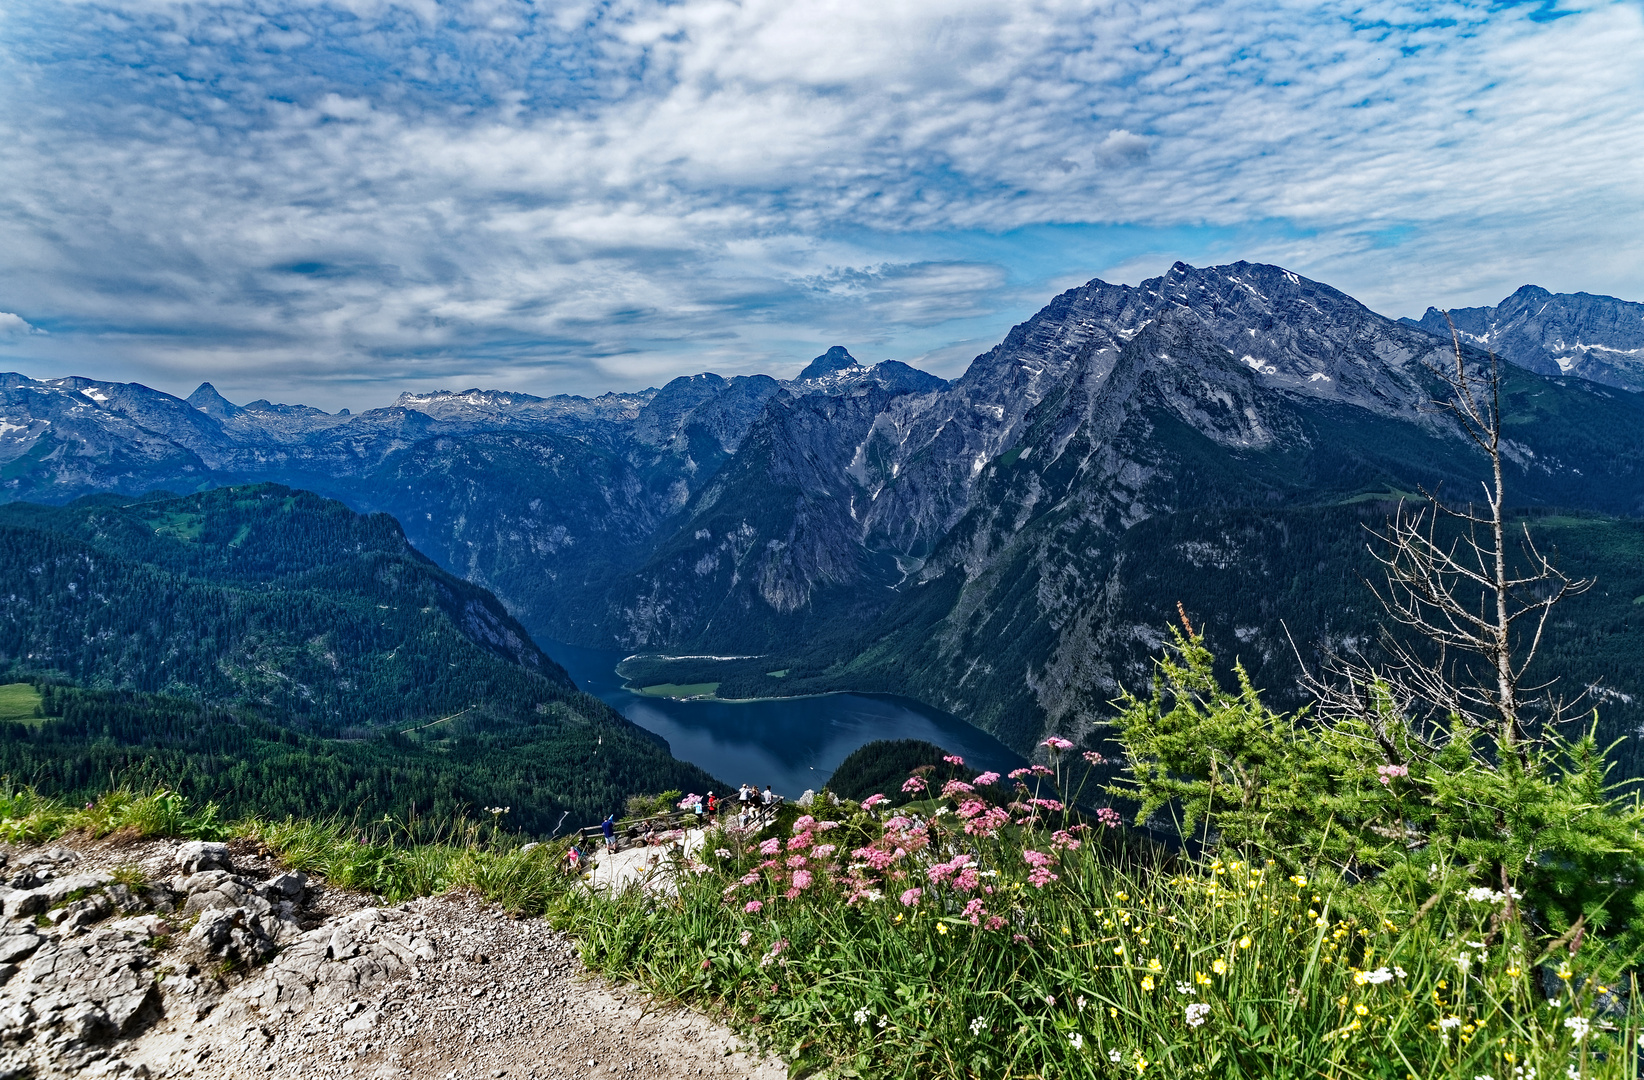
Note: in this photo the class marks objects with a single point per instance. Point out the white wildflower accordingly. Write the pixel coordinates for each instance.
(862, 1015)
(1081, 1003)
(1377, 977)
(1579, 1026)
(1464, 961)
(1114, 1056)
(1400, 972)
(1185, 988)
(1196, 1013)
(1076, 1039)
(978, 1025)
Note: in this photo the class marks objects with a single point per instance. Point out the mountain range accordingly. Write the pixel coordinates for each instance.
(1009, 545)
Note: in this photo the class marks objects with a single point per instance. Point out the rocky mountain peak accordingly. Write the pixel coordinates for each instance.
(1599, 338)
(835, 359)
(207, 400)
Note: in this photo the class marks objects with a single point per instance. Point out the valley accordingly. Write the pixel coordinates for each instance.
(1007, 547)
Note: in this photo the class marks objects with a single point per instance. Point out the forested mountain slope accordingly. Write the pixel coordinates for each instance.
(280, 638)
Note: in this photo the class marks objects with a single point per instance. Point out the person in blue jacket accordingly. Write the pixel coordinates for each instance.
(608, 827)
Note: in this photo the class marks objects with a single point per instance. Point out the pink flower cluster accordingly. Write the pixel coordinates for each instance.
(1057, 744)
(1094, 758)
(954, 759)
(1109, 817)
(914, 783)
(1387, 773)
(955, 788)
(987, 779)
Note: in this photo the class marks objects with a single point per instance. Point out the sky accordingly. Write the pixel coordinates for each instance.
(333, 201)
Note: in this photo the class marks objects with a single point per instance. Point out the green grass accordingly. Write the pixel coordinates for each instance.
(18, 702)
(680, 690)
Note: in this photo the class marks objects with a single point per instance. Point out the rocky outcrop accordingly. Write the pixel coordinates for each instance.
(89, 959)
(206, 960)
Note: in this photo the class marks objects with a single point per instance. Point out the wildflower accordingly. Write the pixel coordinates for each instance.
(1579, 1026)
(1514, 971)
(1387, 773)
(911, 897)
(775, 950)
(773, 846)
(1109, 817)
(1464, 961)
(987, 779)
(1374, 978)
(953, 759)
(1076, 1039)
(1400, 972)
(1114, 1055)
(752, 907)
(1094, 758)
(1244, 942)
(914, 783)
(1361, 1009)
(1147, 982)
(1057, 744)
(1080, 1003)
(1185, 988)
(1196, 1013)
(942, 928)
(862, 1015)
(1298, 881)
(1219, 967)
(1201, 978)
(978, 1025)
(796, 861)
(1564, 972)
(822, 851)
(721, 853)
(801, 879)
(954, 788)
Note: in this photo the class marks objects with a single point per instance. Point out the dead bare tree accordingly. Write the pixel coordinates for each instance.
(1478, 619)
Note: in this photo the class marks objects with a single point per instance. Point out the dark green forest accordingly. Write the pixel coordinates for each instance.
(267, 648)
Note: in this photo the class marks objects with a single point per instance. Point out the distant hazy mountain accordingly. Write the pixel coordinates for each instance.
(1591, 337)
(1007, 545)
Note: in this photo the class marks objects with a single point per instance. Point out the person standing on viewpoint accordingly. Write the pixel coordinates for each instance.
(608, 827)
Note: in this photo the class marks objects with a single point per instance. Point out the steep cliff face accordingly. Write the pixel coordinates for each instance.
(1591, 337)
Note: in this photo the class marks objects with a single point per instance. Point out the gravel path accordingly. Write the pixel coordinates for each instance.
(438, 988)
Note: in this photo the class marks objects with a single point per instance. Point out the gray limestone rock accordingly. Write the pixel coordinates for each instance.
(197, 855)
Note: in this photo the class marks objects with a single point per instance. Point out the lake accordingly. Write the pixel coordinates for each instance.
(789, 743)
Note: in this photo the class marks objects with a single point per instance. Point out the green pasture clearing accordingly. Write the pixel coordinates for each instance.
(18, 702)
(680, 690)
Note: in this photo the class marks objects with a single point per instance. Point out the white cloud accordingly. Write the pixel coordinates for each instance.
(347, 194)
(15, 324)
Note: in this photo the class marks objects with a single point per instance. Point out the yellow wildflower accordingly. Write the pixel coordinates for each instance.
(1361, 1009)
(1245, 942)
(1154, 965)
(1147, 982)
(1219, 967)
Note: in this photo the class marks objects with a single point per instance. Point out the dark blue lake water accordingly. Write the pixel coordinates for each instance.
(790, 743)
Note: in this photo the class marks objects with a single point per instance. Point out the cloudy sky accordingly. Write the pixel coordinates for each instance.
(334, 201)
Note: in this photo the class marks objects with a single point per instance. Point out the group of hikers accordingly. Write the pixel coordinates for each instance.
(749, 800)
